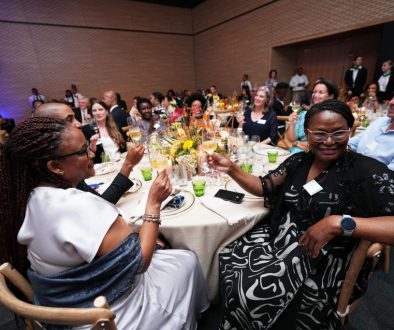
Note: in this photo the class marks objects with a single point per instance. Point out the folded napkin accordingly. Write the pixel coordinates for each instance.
(231, 212)
(174, 200)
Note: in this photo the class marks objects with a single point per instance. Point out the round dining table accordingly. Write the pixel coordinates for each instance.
(194, 226)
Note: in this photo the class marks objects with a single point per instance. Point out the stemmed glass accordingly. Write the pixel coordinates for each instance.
(295, 103)
(134, 133)
(94, 126)
(209, 142)
(157, 156)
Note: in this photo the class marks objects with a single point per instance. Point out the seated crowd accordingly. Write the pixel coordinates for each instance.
(332, 192)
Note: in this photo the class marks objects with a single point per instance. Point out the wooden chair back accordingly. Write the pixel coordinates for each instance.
(364, 250)
(99, 316)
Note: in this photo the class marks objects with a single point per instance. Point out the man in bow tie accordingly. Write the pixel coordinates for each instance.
(356, 76)
(386, 82)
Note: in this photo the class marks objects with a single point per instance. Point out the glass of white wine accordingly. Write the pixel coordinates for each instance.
(135, 134)
(296, 103)
(209, 142)
(158, 161)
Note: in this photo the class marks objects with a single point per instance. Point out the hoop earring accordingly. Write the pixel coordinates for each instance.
(348, 148)
(307, 149)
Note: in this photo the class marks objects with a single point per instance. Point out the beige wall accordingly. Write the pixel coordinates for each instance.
(51, 57)
(243, 45)
(99, 44)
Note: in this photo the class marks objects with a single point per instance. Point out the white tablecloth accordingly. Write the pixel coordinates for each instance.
(197, 229)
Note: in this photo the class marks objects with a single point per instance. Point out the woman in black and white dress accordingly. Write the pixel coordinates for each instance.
(287, 272)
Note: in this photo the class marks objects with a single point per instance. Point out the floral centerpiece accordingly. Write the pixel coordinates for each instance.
(183, 144)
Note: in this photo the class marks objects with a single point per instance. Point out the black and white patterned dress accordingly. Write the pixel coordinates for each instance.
(266, 270)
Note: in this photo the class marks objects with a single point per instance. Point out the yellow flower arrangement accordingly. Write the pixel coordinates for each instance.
(184, 141)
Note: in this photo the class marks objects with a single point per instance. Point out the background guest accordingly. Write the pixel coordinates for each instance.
(299, 82)
(36, 97)
(150, 121)
(377, 140)
(272, 79)
(356, 76)
(246, 82)
(121, 103)
(278, 104)
(82, 113)
(112, 142)
(118, 115)
(295, 133)
(260, 119)
(386, 82)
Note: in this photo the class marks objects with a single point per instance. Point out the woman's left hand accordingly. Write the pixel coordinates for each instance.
(319, 234)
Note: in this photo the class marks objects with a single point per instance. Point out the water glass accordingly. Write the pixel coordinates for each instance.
(146, 173)
(272, 156)
(199, 186)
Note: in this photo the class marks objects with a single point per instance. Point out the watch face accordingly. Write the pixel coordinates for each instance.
(348, 224)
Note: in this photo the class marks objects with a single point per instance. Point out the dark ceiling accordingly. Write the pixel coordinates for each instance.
(175, 3)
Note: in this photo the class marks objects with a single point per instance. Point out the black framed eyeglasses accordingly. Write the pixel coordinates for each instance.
(337, 136)
(84, 151)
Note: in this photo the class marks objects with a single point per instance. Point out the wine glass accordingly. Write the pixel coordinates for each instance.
(295, 103)
(94, 126)
(209, 142)
(135, 134)
(254, 139)
(157, 156)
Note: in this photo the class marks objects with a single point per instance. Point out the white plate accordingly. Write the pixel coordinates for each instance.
(136, 186)
(233, 186)
(105, 168)
(189, 201)
(263, 150)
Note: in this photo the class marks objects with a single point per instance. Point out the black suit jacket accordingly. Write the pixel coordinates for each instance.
(120, 118)
(78, 115)
(113, 193)
(388, 94)
(361, 78)
(280, 110)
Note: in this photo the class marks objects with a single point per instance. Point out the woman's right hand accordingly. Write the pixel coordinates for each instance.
(161, 188)
(219, 162)
(240, 118)
(293, 117)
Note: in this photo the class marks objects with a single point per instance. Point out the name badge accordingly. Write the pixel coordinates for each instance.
(372, 145)
(261, 121)
(312, 187)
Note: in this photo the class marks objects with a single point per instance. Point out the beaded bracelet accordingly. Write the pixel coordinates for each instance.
(152, 218)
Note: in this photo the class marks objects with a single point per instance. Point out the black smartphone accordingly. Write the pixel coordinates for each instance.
(230, 196)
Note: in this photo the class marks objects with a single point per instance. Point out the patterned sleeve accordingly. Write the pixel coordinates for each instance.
(372, 194)
(273, 181)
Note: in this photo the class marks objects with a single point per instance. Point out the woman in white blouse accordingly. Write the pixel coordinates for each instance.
(111, 142)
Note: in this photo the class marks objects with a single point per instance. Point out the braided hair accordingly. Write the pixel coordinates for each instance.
(330, 105)
(23, 165)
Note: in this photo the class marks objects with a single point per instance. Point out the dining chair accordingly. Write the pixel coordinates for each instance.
(227, 117)
(99, 316)
(364, 250)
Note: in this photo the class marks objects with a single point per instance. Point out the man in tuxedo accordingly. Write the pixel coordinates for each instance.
(386, 82)
(356, 76)
(119, 116)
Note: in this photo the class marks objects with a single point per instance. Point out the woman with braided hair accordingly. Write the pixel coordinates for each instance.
(78, 245)
(287, 272)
